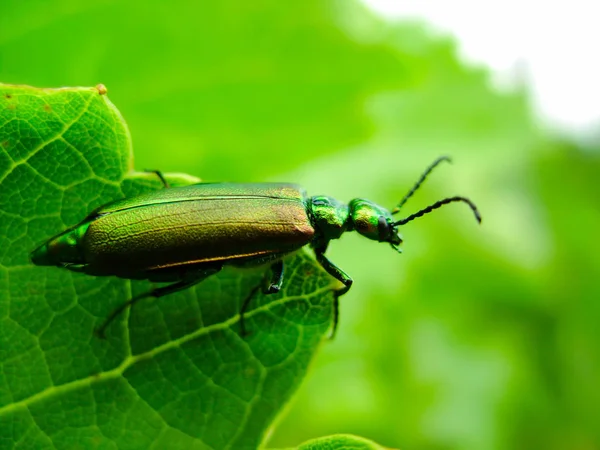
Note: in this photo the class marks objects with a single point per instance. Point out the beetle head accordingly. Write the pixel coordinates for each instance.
(374, 222)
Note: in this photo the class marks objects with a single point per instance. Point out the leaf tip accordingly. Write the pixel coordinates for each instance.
(102, 90)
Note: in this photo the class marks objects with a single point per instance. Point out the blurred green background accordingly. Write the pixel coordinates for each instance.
(478, 337)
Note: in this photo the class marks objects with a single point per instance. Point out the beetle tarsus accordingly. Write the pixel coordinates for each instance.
(336, 316)
(99, 333)
(117, 312)
(274, 285)
(339, 275)
(160, 176)
(273, 289)
(243, 309)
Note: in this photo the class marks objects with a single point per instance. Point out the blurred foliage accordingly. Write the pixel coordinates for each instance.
(477, 337)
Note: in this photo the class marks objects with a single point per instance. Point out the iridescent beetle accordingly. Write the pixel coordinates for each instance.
(183, 235)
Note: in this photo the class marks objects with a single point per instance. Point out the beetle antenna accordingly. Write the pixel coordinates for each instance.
(439, 204)
(420, 181)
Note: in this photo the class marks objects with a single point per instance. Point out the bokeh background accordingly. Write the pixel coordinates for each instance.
(477, 337)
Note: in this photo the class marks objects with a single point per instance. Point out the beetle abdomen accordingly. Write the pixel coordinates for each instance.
(227, 227)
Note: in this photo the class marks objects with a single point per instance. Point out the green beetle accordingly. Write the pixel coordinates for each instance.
(185, 234)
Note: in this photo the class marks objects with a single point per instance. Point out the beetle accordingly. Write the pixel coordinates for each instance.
(183, 235)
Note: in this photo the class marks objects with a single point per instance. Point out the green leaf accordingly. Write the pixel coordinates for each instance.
(173, 372)
(340, 442)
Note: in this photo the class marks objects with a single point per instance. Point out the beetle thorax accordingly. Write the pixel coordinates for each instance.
(329, 217)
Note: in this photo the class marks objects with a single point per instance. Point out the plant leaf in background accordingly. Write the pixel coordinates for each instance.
(172, 373)
(340, 442)
(225, 80)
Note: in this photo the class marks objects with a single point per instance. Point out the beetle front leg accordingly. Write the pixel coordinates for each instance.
(338, 274)
(272, 287)
(187, 282)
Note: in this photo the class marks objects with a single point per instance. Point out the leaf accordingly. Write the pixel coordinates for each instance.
(340, 442)
(173, 372)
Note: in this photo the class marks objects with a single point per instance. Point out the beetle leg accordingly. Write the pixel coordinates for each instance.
(243, 309)
(272, 287)
(188, 281)
(338, 274)
(160, 177)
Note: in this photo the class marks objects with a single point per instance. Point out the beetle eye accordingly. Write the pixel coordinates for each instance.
(383, 227)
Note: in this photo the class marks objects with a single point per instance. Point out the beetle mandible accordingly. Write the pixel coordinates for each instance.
(182, 235)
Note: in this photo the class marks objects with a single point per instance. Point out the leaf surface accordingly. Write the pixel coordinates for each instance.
(172, 372)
